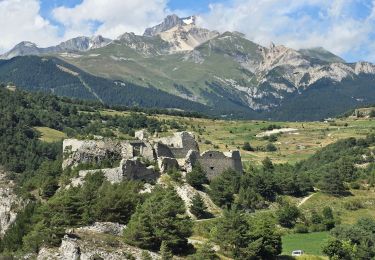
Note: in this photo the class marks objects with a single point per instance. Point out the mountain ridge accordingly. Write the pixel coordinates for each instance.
(182, 59)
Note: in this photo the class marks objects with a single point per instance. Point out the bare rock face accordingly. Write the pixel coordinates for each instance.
(9, 204)
(69, 249)
(169, 22)
(89, 245)
(105, 228)
(187, 37)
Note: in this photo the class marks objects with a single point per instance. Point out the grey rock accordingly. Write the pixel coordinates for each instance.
(169, 22)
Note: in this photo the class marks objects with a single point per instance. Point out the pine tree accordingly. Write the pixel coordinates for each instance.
(160, 218)
(332, 183)
(197, 177)
(198, 208)
(205, 252)
(224, 187)
(165, 252)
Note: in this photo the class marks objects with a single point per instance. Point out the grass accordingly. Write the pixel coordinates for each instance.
(310, 243)
(227, 135)
(50, 135)
(365, 196)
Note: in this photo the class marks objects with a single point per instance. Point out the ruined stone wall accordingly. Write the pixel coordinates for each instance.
(134, 169)
(179, 144)
(131, 169)
(215, 162)
(93, 151)
(162, 150)
(166, 163)
(89, 151)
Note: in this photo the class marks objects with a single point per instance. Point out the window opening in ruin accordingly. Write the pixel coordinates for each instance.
(137, 151)
(211, 168)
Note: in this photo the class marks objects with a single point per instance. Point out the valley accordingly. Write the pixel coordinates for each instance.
(293, 177)
(186, 142)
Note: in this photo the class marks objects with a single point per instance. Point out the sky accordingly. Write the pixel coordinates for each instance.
(344, 27)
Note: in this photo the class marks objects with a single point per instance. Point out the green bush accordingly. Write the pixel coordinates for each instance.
(301, 228)
(270, 147)
(175, 175)
(355, 185)
(247, 147)
(353, 205)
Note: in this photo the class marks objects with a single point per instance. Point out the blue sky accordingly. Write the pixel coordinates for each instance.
(345, 27)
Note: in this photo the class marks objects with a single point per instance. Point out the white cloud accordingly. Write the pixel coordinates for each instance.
(20, 21)
(295, 23)
(114, 16)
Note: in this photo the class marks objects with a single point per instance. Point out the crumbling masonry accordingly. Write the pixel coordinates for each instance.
(145, 158)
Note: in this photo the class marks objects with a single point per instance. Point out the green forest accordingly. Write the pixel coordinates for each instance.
(156, 221)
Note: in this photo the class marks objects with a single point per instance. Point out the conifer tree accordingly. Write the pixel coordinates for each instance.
(198, 208)
(165, 252)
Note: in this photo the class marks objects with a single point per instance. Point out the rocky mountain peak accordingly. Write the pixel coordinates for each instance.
(27, 44)
(21, 49)
(169, 22)
(84, 43)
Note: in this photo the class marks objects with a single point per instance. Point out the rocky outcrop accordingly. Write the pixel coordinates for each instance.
(187, 193)
(187, 37)
(85, 244)
(169, 22)
(10, 203)
(111, 228)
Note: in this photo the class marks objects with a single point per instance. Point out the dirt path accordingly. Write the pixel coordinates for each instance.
(305, 199)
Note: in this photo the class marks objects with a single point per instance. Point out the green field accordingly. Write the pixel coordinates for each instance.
(311, 243)
(50, 135)
(227, 135)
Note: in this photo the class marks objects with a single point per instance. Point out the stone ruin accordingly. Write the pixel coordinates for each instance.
(145, 158)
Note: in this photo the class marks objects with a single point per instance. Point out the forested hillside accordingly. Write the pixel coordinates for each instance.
(255, 209)
(52, 75)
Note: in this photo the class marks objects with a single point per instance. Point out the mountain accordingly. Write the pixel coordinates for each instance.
(321, 54)
(169, 22)
(52, 75)
(73, 45)
(224, 72)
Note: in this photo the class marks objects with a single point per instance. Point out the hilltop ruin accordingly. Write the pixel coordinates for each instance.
(145, 158)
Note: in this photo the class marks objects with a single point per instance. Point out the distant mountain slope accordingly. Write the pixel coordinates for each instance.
(73, 45)
(49, 74)
(225, 73)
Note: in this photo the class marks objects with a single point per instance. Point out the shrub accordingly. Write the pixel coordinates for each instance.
(355, 185)
(175, 175)
(287, 215)
(353, 205)
(207, 142)
(317, 227)
(271, 147)
(247, 147)
(301, 228)
(272, 138)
